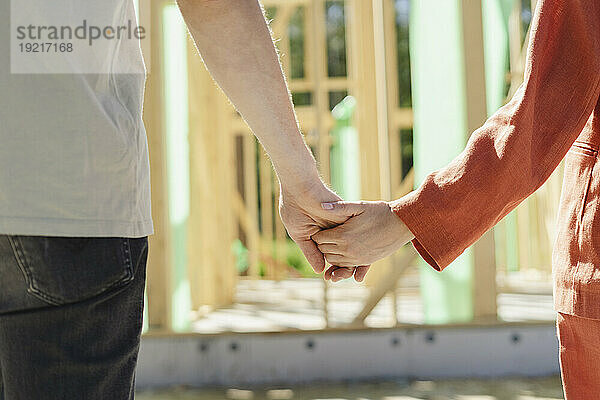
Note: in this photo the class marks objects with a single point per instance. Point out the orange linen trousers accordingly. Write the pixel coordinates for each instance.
(579, 356)
(555, 113)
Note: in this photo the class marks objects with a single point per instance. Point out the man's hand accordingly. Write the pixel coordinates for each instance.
(302, 214)
(237, 48)
(372, 231)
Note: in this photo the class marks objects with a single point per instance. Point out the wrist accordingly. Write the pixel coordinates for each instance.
(309, 192)
(298, 174)
(403, 234)
(299, 180)
(293, 161)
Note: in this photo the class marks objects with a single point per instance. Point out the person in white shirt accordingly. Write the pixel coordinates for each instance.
(75, 192)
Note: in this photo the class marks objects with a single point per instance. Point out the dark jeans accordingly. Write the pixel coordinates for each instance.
(70, 316)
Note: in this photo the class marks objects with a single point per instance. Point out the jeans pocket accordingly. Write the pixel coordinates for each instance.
(61, 270)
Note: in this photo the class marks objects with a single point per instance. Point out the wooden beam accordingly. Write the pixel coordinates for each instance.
(407, 184)
(385, 284)
(402, 118)
(226, 189)
(251, 201)
(211, 224)
(317, 35)
(362, 69)
(204, 120)
(266, 206)
(393, 89)
(328, 83)
(366, 68)
(159, 260)
(484, 282)
(381, 91)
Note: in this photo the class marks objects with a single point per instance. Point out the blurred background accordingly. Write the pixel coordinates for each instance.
(386, 92)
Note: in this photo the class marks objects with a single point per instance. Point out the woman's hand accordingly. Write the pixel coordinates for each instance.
(371, 232)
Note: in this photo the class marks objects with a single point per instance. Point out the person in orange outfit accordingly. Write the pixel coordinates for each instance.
(555, 113)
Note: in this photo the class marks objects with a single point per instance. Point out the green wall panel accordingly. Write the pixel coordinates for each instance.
(439, 103)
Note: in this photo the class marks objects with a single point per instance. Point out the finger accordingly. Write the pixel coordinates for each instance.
(342, 273)
(339, 260)
(330, 249)
(329, 272)
(314, 257)
(361, 272)
(326, 236)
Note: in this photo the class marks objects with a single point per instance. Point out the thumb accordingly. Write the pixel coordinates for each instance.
(345, 208)
(314, 257)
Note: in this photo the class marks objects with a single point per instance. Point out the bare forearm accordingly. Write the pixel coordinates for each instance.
(235, 43)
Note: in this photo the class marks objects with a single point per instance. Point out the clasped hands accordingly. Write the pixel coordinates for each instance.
(350, 236)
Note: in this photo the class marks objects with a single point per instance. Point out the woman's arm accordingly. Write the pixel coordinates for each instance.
(517, 149)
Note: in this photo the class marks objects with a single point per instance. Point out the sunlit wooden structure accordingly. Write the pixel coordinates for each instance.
(329, 49)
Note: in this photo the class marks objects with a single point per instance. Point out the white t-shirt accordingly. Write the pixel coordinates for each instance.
(73, 149)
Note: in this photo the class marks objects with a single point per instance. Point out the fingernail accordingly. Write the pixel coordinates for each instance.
(327, 206)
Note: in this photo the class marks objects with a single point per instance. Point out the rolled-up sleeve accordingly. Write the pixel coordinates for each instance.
(517, 149)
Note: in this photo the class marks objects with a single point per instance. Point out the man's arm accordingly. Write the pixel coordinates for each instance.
(236, 47)
(235, 43)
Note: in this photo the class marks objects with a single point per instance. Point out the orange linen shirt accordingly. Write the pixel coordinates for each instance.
(556, 112)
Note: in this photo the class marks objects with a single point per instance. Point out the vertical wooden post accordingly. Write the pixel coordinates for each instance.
(391, 52)
(319, 76)
(517, 63)
(484, 280)
(266, 205)
(367, 68)
(362, 69)
(251, 200)
(381, 91)
(159, 260)
(318, 34)
(211, 222)
(204, 114)
(225, 283)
